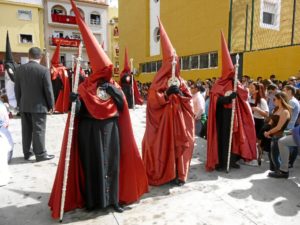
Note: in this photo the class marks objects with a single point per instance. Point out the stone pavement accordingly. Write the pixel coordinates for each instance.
(245, 196)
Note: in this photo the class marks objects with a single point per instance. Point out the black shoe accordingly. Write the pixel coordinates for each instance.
(220, 168)
(290, 166)
(235, 166)
(178, 182)
(259, 162)
(279, 174)
(44, 158)
(28, 155)
(118, 208)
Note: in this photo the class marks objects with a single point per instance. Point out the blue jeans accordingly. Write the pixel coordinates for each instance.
(274, 154)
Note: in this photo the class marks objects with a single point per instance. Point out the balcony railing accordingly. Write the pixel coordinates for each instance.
(56, 18)
(65, 42)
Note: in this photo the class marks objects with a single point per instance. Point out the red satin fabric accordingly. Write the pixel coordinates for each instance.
(63, 100)
(75, 184)
(137, 96)
(99, 109)
(133, 178)
(244, 137)
(168, 142)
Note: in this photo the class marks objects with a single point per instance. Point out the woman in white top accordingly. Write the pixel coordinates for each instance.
(6, 145)
(260, 110)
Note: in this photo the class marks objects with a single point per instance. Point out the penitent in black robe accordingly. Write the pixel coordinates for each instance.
(223, 116)
(57, 85)
(99, 149)
(127, 89)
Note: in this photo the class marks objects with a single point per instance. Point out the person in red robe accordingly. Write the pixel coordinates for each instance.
(60, 83)
(126, 84)
(219, 120)
(168, 141)
(105, 165)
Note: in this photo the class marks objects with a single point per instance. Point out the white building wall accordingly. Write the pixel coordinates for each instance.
(100, 31)
(154, 14)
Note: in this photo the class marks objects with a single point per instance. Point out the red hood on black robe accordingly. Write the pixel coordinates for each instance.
(57, 70)
(133, 181)
(127, 70)
(244, 137)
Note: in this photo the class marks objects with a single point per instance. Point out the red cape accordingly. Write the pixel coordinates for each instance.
(244, 137)
(168, 142)
(133, 179)
(63, 101)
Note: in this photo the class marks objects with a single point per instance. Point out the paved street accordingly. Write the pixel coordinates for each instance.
(245, 196)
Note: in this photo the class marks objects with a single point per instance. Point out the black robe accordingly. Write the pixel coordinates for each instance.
(223, 118)
(57, 85)
(99, 149)
(127, 89)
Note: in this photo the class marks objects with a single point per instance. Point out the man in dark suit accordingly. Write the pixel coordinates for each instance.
(35, 99)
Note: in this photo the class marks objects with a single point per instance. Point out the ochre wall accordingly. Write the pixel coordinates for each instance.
(283, 62)
(9, 22)
(193, 27)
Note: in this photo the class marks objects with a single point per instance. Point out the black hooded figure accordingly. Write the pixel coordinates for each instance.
(126, 82)
(9, 63)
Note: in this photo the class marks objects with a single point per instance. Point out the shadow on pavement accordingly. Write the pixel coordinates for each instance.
(15, 214)
(284, 191)
(41, 214)
(21, 160)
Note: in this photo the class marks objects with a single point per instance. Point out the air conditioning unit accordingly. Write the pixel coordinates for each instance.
(112, 22)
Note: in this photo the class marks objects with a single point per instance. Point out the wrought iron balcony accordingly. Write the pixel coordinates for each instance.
(65, 42)
(57, 18)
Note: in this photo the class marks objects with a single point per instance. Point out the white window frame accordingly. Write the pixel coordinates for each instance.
(29, 43)
(209, 60)
(208, 54)
(28, 12)
(198, 58)
(277, 14)
(95, 24)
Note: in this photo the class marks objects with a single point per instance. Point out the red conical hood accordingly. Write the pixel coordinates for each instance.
(99, 61)
(227, 65)
(55, 61)
(127, 68)
(165, 72)
(166, 45)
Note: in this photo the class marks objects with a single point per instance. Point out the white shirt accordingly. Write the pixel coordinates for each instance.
(199, 105)
(263, 106)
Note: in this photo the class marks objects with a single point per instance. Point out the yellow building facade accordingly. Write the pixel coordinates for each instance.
(259, 30)
(24, 22)
(268, 48)
(113, 37)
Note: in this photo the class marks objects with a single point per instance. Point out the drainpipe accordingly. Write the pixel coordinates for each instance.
(246, 28)
(252, 26)
(230, 27)
(293, 25)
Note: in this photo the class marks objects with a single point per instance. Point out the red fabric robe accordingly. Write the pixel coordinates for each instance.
(137, 96)
(132, 181)
(63, 101)
(168, 142)
(244, 137)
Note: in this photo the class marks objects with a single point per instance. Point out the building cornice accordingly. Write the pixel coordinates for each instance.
(21, 4)
(82, 2)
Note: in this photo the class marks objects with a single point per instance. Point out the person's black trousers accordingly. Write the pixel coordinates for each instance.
(33, 131)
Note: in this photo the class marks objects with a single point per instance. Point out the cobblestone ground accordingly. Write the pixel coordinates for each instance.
(245, 196)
